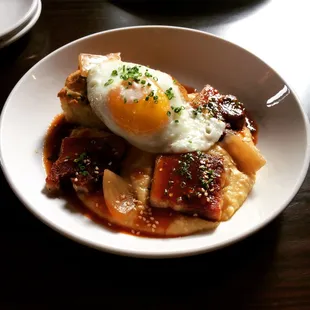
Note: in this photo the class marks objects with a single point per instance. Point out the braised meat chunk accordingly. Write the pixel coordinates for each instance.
(224, 107)
(191, 183)
(83, 158)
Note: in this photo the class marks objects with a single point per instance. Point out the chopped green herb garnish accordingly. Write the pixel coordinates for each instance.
(143, 82)
(169, 93)
(179, 109)
(149, 84)
(147, 98)
(197, 110)
(136, 101)
(84, 173)
(155, 78)
(147, 74)
(109, 82)
(131, 73)
(125, 99)
(155, 99)
(168, 113)
(114, 73)
(80, 158)
(176, 121)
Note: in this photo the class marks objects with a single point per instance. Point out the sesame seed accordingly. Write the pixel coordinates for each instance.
(144, 219)
(203, 190)
(117, 201)
(110, 163)
(132, 231)
(171, 194)
(211, 190)
(76, 173)
(156, 222)
(206, 194)
(153, 229)
(141, 212)
(147, 221)
(152, 218)
(97, 172)
(160, 169)
(76, 179)
(66, 160)
(97, 204)
(199, 195)
(140, 217)
(96, 168)
(137, 225)
(149, 225)
(123, 196)
(154, 226)
(195, 214)
(109, 224)
(138, 233)
(208, 199)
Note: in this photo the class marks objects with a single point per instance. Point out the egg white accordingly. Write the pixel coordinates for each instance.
(185, 132)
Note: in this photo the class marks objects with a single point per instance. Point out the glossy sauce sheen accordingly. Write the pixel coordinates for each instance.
(58, 130)
(190, 183)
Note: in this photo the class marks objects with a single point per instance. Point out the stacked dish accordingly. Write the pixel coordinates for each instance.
(17, 17)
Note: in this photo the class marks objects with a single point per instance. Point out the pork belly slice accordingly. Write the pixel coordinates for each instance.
(191, 183)
(83, 158)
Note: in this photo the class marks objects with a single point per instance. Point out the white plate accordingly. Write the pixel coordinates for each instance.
(15, 13)
(195, 58)
(10, 39)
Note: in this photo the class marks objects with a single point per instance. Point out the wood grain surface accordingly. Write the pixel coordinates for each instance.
(41, 269)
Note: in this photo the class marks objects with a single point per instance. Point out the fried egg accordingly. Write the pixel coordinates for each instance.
(149, 108)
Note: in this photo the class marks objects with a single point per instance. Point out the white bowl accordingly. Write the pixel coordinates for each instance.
(195, 58)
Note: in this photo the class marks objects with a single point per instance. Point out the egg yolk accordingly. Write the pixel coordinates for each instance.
(139, 110)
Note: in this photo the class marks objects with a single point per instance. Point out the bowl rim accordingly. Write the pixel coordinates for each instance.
(154, 253)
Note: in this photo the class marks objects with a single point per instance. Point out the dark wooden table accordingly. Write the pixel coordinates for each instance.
(40, 269)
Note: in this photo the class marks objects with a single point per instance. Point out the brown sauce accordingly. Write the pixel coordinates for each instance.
(60, 129)
(189, 89)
